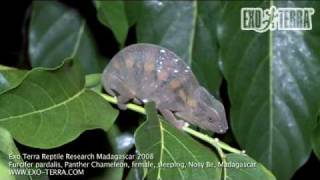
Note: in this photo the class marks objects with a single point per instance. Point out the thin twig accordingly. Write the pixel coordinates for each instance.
(219, 145)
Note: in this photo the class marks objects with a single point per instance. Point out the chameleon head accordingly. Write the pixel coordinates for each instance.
(208, 113)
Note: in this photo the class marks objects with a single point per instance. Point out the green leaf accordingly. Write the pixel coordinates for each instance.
(133, 11)
(58, 32)
(3, 67)
(52, 107)
(187, 28)
(242, 167)
(204, 60)
(112, 14)
(10, 154)
(4, 171)
(93, 82)
(315, 139)
(274, 85)
(121, 143)
(8, 148)
(169, 145)
(134, 174)
(10, 78)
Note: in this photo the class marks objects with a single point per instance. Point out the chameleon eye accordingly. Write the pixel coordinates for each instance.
(210, 119)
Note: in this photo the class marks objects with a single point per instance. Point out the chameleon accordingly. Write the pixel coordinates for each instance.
(146, 72)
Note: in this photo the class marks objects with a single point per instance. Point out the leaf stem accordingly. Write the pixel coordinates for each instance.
(213, 141)
(219, 145)
(3, 67)
(130, 106)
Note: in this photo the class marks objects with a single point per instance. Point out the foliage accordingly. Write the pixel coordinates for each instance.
(272, 84)
(273, 89)
(8, 150)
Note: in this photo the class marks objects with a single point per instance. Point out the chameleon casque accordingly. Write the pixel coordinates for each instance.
(146, 72)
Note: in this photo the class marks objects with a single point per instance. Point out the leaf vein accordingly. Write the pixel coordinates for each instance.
(45, 109)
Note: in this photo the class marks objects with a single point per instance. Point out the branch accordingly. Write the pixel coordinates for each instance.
(215, 142)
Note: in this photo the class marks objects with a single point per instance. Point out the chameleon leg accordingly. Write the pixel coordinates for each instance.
(124, 93)
(110, 91)
(137, 101)
(168, 115)
(122, 102)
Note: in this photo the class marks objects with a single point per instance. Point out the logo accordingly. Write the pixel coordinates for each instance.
(259, 20)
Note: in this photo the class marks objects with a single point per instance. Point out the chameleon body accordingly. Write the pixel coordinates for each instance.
(146, 72)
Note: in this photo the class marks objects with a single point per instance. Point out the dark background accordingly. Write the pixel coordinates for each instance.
(15, 18)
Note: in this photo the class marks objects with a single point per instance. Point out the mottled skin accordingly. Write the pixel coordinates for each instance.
(146, 72)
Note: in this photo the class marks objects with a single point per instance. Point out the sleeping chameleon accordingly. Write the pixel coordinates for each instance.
(146, 72)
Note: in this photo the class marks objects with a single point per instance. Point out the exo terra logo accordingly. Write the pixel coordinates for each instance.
(274, 18)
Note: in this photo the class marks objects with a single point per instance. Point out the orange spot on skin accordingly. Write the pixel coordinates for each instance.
(162, 76)
(129, 62)
(148, 67)
(182, 95)
(174, 84)
(192, 103)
